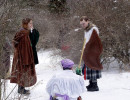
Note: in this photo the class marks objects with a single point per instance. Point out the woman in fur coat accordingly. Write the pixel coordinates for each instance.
(23, 67)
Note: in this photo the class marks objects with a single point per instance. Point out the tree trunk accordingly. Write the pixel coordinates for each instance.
(0, 88)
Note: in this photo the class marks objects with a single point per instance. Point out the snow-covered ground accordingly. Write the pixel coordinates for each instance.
(113, 86)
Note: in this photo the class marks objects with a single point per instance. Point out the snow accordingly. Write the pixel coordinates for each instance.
(113, 86)
(77, 29)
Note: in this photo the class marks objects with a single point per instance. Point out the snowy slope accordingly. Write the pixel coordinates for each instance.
(113, 86)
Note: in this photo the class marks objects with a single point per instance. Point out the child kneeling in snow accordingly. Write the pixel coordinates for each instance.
(66, 85)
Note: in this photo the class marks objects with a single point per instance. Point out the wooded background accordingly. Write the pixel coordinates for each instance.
(57, 20)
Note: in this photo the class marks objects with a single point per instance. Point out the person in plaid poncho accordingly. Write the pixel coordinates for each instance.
(91, 55)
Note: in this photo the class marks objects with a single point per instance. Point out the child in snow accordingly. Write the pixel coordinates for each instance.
(91, 56)
(66, 85)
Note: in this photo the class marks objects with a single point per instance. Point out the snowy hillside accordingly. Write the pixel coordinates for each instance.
(113, 86)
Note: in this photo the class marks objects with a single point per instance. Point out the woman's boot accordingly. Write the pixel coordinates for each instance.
(90, 84)
(22, 90)
(94, 87)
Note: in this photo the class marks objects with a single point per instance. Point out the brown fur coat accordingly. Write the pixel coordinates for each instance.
(92, 52)
(23, 68)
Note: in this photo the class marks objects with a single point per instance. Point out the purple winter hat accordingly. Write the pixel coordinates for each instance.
(67, 63)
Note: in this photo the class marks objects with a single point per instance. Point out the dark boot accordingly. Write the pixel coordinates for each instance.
(94, 87)
(51, 98)
(55, 99)
(90, 84)
(22, 90)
